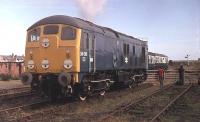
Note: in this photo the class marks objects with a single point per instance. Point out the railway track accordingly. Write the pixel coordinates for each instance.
(66, 109)
(139, 110)
(186, 108)
(10, 114)
(48, 114)
(15, 92)
(14, 100)
(156, 117)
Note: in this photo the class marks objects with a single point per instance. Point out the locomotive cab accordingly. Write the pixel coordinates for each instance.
(52, 57)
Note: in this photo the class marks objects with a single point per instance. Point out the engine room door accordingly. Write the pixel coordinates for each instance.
(92, 51)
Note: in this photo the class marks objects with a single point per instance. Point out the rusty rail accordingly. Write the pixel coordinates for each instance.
(43, 113)
(22, 106)
(7, 111)
(13, 90)
(170, 104)
(16, 92)
(39, 114)
(124, 107)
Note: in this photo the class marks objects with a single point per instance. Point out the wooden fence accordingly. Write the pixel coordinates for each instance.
(173, 75)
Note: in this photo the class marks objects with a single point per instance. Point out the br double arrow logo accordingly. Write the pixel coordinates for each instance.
(126, 60)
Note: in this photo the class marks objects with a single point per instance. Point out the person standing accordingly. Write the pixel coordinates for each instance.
(161, 75)
(181, 75)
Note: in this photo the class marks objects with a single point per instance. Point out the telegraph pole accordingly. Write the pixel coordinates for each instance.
(187, 57)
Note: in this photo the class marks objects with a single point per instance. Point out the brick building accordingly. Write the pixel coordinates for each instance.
(11, 65)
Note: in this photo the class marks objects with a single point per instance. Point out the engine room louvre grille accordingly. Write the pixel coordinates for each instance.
(143, 54)
(126, 49)
(133, 50)
(122, 60)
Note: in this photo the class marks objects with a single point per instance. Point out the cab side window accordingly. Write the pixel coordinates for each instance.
(68, 33)
(34, 35)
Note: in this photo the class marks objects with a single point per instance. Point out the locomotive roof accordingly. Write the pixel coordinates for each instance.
(77, 22)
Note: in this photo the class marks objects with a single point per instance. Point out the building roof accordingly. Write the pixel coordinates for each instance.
(11, 58)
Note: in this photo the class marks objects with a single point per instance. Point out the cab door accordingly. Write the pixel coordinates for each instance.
(92, 53)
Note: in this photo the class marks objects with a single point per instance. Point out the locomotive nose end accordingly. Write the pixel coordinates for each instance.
(26, 78)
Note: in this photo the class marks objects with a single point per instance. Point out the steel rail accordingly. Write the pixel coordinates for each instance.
(6, 91)
(7, 97)
(43, 113)
(22, 106)
(111, 113)
(170, 104)
(40, 113)
(17, 92)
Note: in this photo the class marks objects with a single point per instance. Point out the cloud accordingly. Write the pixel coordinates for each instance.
(90, 8)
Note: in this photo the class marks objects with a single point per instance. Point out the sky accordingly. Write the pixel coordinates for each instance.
(171, 27)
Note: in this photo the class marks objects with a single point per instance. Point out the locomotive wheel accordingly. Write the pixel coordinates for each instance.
(130, 86)
(84, 87)
(82, 97)
(102, 93)
(35, 86)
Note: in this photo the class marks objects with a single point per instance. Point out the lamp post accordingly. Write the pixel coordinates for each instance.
(187, 56)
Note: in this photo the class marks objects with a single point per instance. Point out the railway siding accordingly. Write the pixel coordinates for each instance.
(187, 108)
(145, 109)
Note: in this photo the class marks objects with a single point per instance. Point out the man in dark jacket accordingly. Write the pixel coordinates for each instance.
(181, 75)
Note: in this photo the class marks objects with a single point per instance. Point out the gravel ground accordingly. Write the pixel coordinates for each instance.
(10, 84)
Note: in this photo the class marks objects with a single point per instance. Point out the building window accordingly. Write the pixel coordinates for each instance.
(68, 33)
(51, 29)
